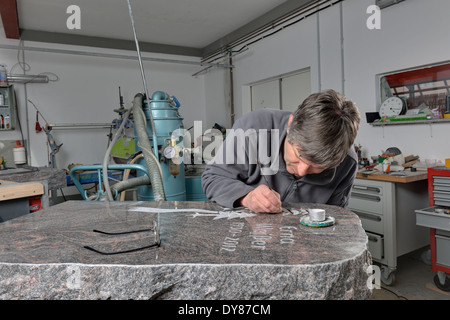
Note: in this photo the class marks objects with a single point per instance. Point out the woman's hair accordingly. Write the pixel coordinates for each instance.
(324, 128)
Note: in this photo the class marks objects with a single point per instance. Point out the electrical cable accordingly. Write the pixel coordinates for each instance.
(62, 193)
(18, 121)
(26, 67)
(108, 152)
(398, 296)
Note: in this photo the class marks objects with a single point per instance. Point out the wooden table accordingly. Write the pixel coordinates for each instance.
(12, 190)
(16, 198)
(380, 176)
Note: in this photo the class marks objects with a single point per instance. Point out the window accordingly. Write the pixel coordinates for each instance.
(284, 92)
(266, 95)
(420, 88)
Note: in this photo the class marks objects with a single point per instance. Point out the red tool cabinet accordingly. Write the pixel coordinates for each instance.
(437, 218)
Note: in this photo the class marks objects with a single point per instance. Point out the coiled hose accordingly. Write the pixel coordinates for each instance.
(152, 163)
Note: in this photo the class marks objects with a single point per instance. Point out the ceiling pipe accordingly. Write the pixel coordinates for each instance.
(307, 11)
(27, 78)
(108, 55)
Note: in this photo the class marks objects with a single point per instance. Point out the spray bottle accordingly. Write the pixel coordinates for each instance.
(3, 76)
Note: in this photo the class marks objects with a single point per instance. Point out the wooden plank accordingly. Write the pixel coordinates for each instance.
(10, 19)
(410, 177)
(11, 190)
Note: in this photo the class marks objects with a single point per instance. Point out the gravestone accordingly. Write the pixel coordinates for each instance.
(109, 250)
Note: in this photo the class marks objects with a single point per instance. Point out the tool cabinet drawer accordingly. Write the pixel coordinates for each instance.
(432, 218)
(441, 181)
(441, 190)
(376, 245)
(440, 200)
(365, 187)
(370, 221)
(442, 250)
(366, 202)
(367, 196)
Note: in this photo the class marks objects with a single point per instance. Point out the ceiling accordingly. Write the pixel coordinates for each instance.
(189, 27)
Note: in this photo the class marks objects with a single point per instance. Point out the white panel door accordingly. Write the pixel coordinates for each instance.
(266, 95)
(295, 89)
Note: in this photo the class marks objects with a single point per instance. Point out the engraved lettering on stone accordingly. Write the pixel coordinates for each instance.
(225, 215)
(287, 234)
(230, 243)
(260, 236)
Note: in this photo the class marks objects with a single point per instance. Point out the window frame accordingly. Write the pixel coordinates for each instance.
(416, 76)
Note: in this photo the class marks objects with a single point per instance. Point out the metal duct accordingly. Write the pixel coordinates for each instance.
(386, 3)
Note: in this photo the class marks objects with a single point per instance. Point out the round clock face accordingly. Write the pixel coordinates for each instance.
(390, 107)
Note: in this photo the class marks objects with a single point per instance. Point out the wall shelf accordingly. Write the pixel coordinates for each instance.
(395, 123)
(7, 108)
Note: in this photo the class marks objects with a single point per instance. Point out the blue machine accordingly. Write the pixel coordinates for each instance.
(168, 124)
(166, 120)
(161, 121)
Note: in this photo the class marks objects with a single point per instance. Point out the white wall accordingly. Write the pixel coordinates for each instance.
(217, 97)
(412, 33)
(292, 49)
(87, 92)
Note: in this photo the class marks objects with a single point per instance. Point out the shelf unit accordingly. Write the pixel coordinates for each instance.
(394, 123)
(8, 108)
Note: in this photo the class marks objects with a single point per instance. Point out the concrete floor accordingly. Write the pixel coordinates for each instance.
(414, 280)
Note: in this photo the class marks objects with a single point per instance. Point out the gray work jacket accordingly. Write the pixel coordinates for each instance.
(234, 172)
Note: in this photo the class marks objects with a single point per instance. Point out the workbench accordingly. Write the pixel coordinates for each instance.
(55, 178)
(381, 176)
(208, 252)
(17, 199)
(386, 205)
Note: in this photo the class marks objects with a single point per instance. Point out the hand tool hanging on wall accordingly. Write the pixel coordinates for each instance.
(38, 126)
(54, 147)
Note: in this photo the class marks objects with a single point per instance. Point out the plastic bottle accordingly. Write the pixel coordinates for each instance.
(1, 122)
(19, 154)
(7, 122)
(3, 76)
(2, 100)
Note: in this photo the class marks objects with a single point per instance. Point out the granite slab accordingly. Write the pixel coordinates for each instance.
(56, 178)
(205, 252)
